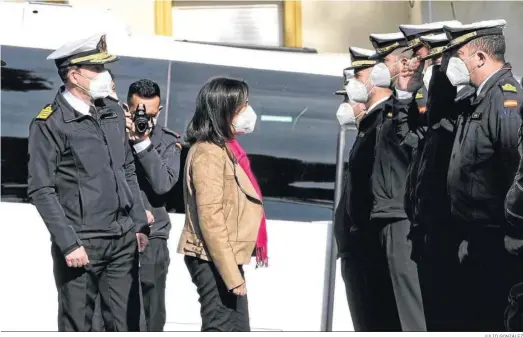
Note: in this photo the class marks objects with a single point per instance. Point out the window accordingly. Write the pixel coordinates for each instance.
(292, 150)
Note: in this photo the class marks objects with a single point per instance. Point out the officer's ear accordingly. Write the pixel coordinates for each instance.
(482, 58)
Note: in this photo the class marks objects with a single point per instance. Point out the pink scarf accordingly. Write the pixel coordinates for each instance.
(262, 259)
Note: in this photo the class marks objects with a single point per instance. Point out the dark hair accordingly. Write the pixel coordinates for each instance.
(63, 71)
(492, 45)
(216, 105)
(143, 88)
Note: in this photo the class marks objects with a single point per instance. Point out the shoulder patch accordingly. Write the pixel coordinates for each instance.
(509, 88)
(45, 112)
(419, 95)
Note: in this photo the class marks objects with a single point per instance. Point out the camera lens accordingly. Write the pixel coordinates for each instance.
(141, 126)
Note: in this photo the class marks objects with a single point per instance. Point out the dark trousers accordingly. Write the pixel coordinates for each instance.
(440, 279)
(390, 267)
(220, 310)
(154, 263)
(112, 273)
(490, 272)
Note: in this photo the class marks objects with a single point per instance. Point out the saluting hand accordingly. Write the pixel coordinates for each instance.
(404, 77)
(77, 258)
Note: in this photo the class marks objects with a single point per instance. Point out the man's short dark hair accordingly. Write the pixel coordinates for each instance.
(143, 88)
(216, 106)
(493, 45)
(62, 72)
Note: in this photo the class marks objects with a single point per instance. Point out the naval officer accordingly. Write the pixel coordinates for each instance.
(82, 181)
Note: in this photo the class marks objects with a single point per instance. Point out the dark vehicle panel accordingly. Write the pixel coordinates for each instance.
(293, 158)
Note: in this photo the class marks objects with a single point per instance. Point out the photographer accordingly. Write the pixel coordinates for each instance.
(157, 157)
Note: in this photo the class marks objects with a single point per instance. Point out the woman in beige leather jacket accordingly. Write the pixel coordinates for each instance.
(225, 221)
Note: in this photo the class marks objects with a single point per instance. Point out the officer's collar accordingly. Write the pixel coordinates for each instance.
(69, 114)
(491, 82)
(465, 92)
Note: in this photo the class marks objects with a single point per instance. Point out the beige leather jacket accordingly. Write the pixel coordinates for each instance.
(223, 211)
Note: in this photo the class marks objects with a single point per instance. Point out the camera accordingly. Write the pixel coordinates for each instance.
(140, 119)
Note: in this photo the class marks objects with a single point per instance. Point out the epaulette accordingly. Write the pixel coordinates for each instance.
(45, 112)
(171, 132)
(511, 90)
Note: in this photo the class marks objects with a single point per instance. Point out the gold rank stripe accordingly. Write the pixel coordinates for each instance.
(419, 95)
(510, 103)
(94, 58)
(414, 42)
(463, 38)
(363, 63)
(45, 112)
(386, 49)
(437, 50)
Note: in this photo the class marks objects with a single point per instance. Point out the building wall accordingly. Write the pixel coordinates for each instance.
(139, 16)
(471, 11)
(334, 26)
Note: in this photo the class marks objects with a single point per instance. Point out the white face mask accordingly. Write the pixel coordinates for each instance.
(427, 76)
(246, 121)
(100, 85)
(457, 72)
(380, 75)
(357, 91)
(345, 114)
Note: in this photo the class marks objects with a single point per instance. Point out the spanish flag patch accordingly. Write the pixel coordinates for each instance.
(422, 109)
(510, 103)
(45, 112)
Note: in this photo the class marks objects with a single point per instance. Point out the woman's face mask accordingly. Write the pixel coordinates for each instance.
(457, 71)
(245, 121)
(100, 86)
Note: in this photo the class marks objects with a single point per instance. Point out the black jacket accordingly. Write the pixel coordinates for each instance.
(484, 156)
(389, 174)
(157, 169)
(81, 174)
(432, 203)
(353, 211)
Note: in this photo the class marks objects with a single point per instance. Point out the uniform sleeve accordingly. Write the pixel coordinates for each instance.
(511, 121)
(504, 123)
(43, 160)
(138, 211)
(514, 206)
(160, 171)
(207, 177)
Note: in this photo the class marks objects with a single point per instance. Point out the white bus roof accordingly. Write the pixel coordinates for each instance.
(159, 47)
